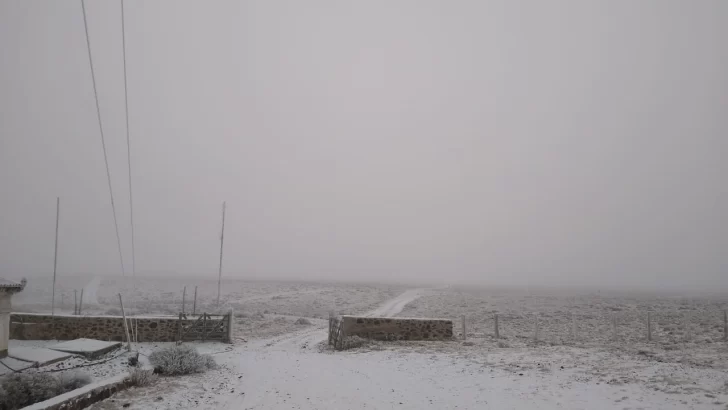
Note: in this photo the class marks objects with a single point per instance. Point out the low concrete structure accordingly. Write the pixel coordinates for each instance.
(38, 356)
(89, 348)
(10, 365)
(7, 289)
(381, 328)
(85, 396)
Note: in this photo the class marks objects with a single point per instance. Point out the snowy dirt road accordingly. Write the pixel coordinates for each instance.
(291, 372)
(394, 306)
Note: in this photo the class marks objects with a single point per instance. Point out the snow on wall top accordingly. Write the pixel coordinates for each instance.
(6, 283)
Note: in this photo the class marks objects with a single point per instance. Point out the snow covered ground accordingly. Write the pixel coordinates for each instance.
(294, 369)
(277, 363)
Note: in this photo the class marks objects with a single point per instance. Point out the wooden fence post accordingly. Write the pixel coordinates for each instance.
(126, 325)
(204, 326)
(230, 326)
(75, 302)
(497, 333)
(649, 326)
(465, 334)
(179, 329)
(331, 319)
(194, 304)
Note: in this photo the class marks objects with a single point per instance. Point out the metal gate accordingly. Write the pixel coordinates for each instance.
(206, 327)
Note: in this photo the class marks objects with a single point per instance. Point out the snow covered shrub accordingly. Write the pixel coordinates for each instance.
(20, 390)
(140, 377)
(72, 381)
(209, 361)
(178, 360)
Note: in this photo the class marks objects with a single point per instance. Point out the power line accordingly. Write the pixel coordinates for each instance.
(101, 131)
(128, 142)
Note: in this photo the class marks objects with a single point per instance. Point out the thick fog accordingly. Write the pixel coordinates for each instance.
(497, 142)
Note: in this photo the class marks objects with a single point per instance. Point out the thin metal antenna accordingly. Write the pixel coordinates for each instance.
(55, 258)
(101, 132)
(128, 141)
(222, 241)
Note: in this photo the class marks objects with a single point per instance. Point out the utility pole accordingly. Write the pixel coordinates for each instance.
(55, 258)
(222, 241)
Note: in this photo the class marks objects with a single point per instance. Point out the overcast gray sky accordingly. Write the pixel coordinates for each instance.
(562, 142)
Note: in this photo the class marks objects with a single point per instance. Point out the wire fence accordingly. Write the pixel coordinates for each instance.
(565, 328)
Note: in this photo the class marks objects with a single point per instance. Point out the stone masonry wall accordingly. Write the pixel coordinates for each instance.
(397, 328)
(28, 326)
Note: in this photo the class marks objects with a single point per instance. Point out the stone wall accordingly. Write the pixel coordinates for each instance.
(397, 328)
(29, 326)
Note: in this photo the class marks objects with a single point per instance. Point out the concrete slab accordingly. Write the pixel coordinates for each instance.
(10, 365)
(37, 355)
(89, 348)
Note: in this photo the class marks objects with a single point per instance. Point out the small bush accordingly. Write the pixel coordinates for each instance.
(210, 362)
(140, 377)
(20, 390)
(303, 321)
(72, 381)
(178, 360)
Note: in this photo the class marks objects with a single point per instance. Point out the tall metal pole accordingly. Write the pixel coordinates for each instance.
(222, 241)
(55, 258)
(184, 297)
(194, 304)
(126, 325)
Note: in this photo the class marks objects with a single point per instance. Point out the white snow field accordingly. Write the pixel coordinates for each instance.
(293, 368)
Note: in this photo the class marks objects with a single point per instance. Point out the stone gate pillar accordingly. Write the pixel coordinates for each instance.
(7, 289)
